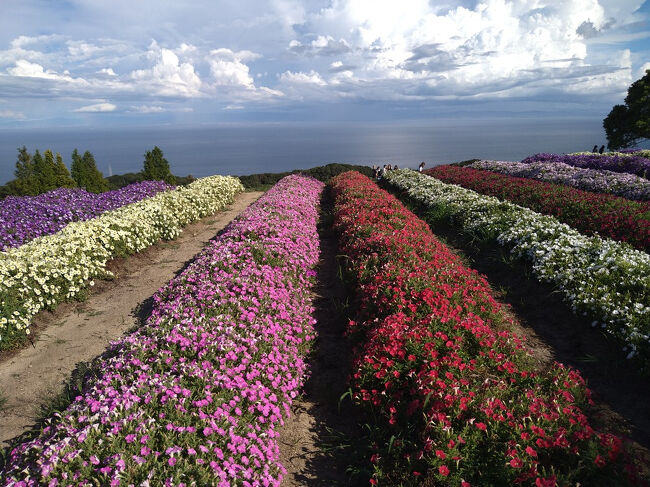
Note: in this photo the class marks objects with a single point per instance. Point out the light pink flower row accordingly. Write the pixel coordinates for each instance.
(195, 395)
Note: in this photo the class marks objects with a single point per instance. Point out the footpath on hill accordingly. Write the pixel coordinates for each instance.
(78, 332)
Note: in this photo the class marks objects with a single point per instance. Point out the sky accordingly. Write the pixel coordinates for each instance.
(128, 63)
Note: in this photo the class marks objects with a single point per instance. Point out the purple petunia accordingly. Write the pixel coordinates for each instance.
(24, 218)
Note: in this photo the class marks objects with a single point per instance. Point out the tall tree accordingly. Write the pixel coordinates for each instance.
(156, 167)
(61, 174)
(26, 182)
(85, 173)
(44, 169)
(628, 124)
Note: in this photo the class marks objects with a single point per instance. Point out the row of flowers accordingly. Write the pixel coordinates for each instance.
(599, 181)
(606, 281)
(628, 163)
(50, 269)
(456, 393)
(624, 152)
(194, 397)
(24, 218)
(610, 216)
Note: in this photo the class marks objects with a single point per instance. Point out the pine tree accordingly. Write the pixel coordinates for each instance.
(61, 174)
(156, 167)
(25, 182)
(44, 170)
(95, 182)
(85, 173)
(76, 168)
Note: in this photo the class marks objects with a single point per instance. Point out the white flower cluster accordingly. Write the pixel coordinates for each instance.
(54, 268)
(607, 281)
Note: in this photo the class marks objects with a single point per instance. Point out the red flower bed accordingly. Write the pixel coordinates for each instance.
(456, 394)
(610, 216)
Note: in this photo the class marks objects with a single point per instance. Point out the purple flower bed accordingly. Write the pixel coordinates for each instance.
(624, 185)
(24, 218)
(617, 163)
(195, 395)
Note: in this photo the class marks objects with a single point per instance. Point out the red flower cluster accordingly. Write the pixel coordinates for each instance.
(610, 216)
(456, 393)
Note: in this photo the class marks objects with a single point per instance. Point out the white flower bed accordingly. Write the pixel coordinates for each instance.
(607, 281)
(57, 267)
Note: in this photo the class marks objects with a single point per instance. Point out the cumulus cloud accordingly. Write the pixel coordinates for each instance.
(310, 78)
(321, 46)
(97, 108)
(168, 76)
(107, 72)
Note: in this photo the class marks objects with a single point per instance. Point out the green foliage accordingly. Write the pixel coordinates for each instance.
(44, 169)
(26, 182)
(62, 176)
(322, 173)
(118, 181)
(628, 124)
(156, 167)
(85, 173)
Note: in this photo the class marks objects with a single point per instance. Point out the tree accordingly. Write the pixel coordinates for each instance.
(156, 167)
(628, 124)
(61, 174)
(44, 170)
(25, 182)
(85, 173)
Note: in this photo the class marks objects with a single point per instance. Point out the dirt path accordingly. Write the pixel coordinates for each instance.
(310, 447)
(78, 332)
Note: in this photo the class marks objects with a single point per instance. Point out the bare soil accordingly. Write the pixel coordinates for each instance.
(312, 441)
(78, 332)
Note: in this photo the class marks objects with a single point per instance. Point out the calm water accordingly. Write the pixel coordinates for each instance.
(247, 149)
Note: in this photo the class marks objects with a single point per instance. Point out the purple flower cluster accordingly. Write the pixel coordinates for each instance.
(624, 185)
(617, 163)
(24, 218)
(195, 395)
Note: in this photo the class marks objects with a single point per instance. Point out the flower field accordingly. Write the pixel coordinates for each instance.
(624, 185)
(54, 268)
(616, 162)
(195, 395)
(456, 393)
(610, 216)
(603, 280)
(24, 218)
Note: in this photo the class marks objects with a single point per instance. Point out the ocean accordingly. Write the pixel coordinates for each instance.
(239, 149)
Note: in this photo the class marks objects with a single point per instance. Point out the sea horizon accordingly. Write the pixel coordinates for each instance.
(249, 147)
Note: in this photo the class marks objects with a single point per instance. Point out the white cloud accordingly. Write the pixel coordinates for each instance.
(228, 69)
(147, 109)
(107, 72)
(26, 69)
(12, 114)
(169, 76)
(311, 78)
(97, 108)
(642, 70)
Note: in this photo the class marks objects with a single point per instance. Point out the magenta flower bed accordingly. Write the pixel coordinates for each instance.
(24, 218)
(194, 396)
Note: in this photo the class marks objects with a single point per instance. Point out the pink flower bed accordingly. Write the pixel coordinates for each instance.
(195, 395)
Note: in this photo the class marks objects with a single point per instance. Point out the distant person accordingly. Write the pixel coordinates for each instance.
(421, 167)
(595, 149)
(602, 148)
(395, 168)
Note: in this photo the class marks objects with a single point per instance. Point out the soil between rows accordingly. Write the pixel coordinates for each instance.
(76, 333)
